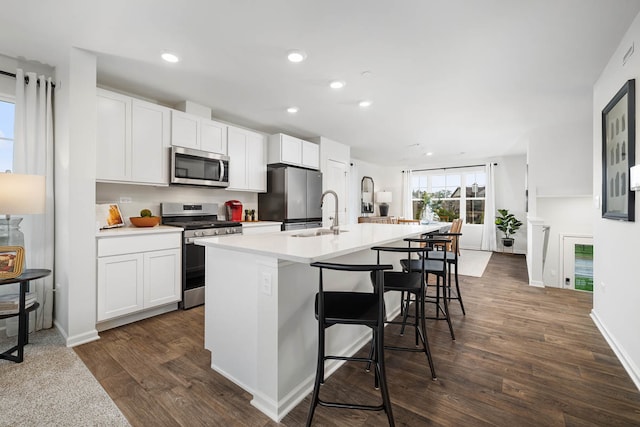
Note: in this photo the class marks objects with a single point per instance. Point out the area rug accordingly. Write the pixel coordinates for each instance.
(52, 387)
(473, 263)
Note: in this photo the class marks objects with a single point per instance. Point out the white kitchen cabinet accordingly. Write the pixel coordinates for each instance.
(199, 133)
(310, 155)
(247, 165)
(138, 272)
(293, 151)
(132, 140)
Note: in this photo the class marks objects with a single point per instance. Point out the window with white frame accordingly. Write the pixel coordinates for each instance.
(7, 115)
(451, 194)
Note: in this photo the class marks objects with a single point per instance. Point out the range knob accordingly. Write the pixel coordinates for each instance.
(216, 232)
(198, 233)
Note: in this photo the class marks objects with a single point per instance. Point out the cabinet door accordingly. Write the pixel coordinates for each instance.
(256, 162)
(149, 143)
(213, 136)
(113, 141)
(310, 155)
(237, 147)
(184, 130)
(162, 278)
(119, 285)
(290, 150)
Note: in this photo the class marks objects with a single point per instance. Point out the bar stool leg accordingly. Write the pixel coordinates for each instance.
(319, 376)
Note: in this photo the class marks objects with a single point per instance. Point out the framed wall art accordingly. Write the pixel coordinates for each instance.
(618, 154)
(11, 261)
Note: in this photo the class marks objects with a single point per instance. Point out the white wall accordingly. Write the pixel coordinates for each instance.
(150, 197)
(510, 176)
(560, 176)
(384, 179)
(616, 299)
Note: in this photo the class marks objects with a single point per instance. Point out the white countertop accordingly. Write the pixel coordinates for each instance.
(132, 230)
(259, 223)
(284, 245)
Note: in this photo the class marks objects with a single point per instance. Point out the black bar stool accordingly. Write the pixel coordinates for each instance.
(351, 308)
(436, 267)
(452, 262)
(411, 281)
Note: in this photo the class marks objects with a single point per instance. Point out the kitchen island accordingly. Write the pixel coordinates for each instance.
(259, 305)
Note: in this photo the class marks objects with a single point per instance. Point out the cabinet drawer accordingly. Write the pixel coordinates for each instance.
(120, 245)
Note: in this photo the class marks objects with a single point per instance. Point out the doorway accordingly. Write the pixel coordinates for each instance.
(577, 262)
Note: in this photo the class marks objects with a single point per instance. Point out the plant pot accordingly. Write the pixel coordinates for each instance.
(507, 242)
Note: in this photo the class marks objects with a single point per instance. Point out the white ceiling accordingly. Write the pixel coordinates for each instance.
(459, 76)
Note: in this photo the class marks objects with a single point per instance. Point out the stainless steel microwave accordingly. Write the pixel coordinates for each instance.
(202, 168)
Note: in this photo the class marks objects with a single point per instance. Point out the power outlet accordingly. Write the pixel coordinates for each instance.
(124, 199)
(265, 284)
(603, 287)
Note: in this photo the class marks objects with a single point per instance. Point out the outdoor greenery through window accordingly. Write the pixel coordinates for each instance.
(448, 194)
(7, 113)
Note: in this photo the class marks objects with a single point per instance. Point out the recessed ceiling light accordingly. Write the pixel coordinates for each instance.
(292, 110)
(337, 84)
(296, 55)
(170, 57)
(365, 103)
(429, 153)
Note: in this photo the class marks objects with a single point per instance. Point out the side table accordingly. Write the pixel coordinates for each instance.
(23, 312)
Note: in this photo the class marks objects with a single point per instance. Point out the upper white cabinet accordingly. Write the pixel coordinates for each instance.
(247, 165)
(190, 131)
(132, 140)
(293, 151)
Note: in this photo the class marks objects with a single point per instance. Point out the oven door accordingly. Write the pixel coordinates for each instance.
(195, 167)
(192, 275)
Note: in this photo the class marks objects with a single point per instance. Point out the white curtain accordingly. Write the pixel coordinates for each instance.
(407, 204)
(33, 154)
(489, 230)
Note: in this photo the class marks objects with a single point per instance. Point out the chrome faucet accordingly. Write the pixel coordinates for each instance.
(334, 225)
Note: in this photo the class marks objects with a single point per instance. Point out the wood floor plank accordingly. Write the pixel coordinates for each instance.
(523, 356)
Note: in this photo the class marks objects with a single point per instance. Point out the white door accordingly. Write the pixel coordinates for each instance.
(577, 262)
(336, 180)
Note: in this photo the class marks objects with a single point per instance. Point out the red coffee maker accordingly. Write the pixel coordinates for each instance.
(234, 210)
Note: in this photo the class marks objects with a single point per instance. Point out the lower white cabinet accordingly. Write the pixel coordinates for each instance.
(138, 272)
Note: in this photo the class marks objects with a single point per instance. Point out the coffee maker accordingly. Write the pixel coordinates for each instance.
(234, 210)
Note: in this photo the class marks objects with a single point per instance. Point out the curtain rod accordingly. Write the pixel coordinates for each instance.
(444, 169)
(26, 78)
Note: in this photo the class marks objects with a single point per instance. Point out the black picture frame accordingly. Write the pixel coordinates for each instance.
(619, 154)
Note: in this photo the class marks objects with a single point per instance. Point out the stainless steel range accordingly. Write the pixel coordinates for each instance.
(199, 220)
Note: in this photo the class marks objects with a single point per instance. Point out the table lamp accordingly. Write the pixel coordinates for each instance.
(383, 198)
(20, 194)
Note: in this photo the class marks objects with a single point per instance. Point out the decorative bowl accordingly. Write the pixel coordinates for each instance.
(145, 221)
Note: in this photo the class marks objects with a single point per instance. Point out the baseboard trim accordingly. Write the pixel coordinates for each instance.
(627, 363)
(72, 341)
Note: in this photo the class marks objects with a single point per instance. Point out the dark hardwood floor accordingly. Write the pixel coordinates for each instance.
(523, 356)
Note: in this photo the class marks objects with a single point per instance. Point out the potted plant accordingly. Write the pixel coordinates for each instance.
(508, 224)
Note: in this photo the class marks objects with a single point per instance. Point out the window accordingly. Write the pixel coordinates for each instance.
(7, 114)
(448, 194)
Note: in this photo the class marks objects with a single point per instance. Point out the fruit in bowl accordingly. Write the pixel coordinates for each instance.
(146, 219)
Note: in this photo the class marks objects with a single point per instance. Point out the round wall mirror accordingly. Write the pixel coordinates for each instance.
(366, 195)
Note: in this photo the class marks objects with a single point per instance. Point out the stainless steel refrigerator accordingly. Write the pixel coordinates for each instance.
(293, 197)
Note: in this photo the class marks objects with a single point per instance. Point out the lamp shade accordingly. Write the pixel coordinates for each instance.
(21, 194)
(383, 196)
